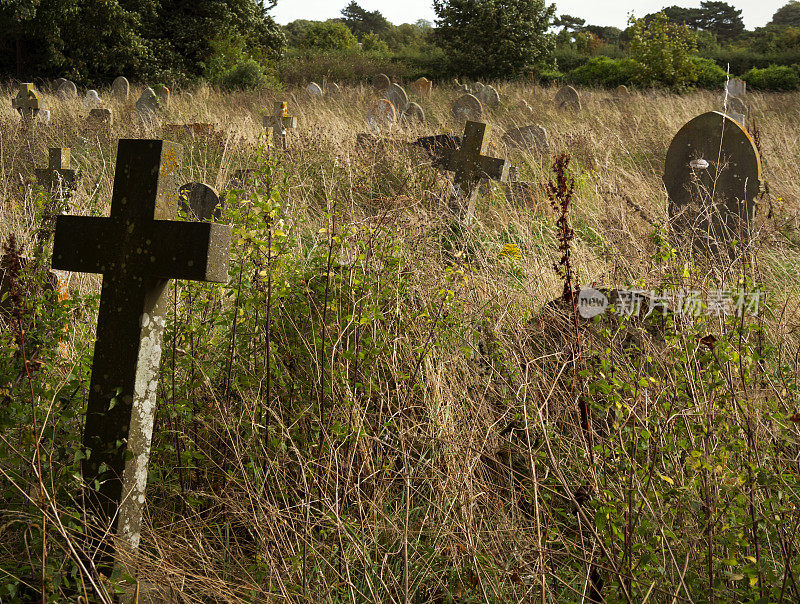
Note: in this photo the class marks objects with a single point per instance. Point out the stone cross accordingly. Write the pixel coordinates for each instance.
(137, 249)
(471, 164)
(280, 121)
(26, 102)
(57, 177)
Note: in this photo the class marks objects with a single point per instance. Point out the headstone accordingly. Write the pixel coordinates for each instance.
(56, 83)
(423, 87)
(523, 104)
(333, 89)
(381, 83)
(120, 89)
(199, 201)
(467, 108)
(396, 94)
(26, 102)
(57, 178)
(187, 97)
(279, 122)
(137, 249)
(43, 116)
(163, 94)
(736, 87)
(470, 165)
(413, 115)
(314, 89)
(712, 174)
(568, 98)
(67, 90)
(92, 99)
(529, 138)
(489, 97)
(147, 106)
(382, 114)
(622, 92)
(738, 110)
(439, 147)
(100, 118)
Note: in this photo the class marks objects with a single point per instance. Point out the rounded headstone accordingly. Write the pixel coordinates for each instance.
(622, 92)
(199, 201)
(423, 87)
(92, 99)
(396, 94)
(57, 82)
(67, 90)
(414, 114)
(163, 94)
(333, 89)
(468, 107)
(568, 98)
(382, 114)
(120, 89)
(314, 89)
(380, 83)
(187, 97)
(147, 105)
(712, 153)
(489, 97)
(528, 138)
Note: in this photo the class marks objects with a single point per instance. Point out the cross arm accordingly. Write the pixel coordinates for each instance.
(492, 167)
(197, 251)
(77, 245)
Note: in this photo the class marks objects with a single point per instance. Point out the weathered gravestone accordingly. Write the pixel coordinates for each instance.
(489, 97)
(67, 90)
(57, 178)
(528, 138)
(397, 96)
(147, 106)
(187, 97)
(92, 99)
(568, 98)
(423, 87)
(467, 108)
(163, 94)
(333, 89)
(712, 175)
(137, 250)
(199, 201)
(738, 110)
(381, 83)
(120, 89)
(279, 122)
(413, 115)
(622, 92)
(101, 118)
(470, 165)
(56, 83)
(736, 87)
(382, 114)
(314, 89)
(26, 102)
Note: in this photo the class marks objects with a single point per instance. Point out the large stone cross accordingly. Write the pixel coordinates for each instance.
(137, 249)
(471, 164)
(26, 101)
(280, 121)
(57, 177)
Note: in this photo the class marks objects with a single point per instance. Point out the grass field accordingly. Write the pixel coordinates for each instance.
(380, 407)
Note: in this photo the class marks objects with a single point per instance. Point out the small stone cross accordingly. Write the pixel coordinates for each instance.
(471, 164)
(26, 102)
(137, 249)
(280, 122)
(57, 177)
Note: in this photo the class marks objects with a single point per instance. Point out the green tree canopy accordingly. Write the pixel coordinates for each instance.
(787, 15)
(328, 35)
(362, 22)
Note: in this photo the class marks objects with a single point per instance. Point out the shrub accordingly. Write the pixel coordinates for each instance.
(709, 74)
(246, 75)
(664, 49)
(373, 44)
(774, 77)
(327, 36)
(550, 76)
(604, 71)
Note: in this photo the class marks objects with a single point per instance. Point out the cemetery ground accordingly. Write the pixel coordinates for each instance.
(383, 405)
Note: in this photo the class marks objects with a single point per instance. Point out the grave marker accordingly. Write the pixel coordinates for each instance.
(568, 98)
(67, 90)
(423, 87)
(381, 114)
(712, 174)
(199, 201)
(314, 89)
(529, 138)
(26, 102)
(147, 106)
(92, 99)
(489, 97)
(397, 96)
(163, 94)
(736, 87)
(57, 178)
(120, 89)
(470, 165)
(413, 115)
(333, 89)
(381, 83)
(467, 108)
(279, 122)
(137, 249)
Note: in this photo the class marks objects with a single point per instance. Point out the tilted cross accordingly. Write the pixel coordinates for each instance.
(57, 177)
(26, 102)
(137, 249)
(280, 122)
(471, 164)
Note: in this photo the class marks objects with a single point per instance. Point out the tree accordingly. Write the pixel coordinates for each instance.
(362, 22)
(787, 15)
(722, 19)
(493, 38)
(328, 35)
(664, 49)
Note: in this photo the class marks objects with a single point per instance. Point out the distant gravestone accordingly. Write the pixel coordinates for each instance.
(622, 92)
(736, 87)
(314, 89)
(56, 83)
(92, 99)
(43, 116)
(58, 178)
(381, 83)
(423, 87)
(470, 165)
(738, 110)
(163, 94)
(101, 119)
(568, 98)
(489, 97)
(712, 174)
(147, 106)
(413, 115)
(187, 97)
(137, 249)
(382, 114)
(67, 90)
(26, 102)
(280, 121)
(523, 104)
(199, 201)
(529, 138)
(468, 108)
(120, 89)
(396, 94)
(333, 89)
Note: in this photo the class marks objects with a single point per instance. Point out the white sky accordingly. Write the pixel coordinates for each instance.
(596, 12)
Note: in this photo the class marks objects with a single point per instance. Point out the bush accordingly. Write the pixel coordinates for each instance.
(709, 74)
(550, 76)
(604, 71)
(327, 36)
(353, 66)
(373, 44)
(774, 77)
(246, 75)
